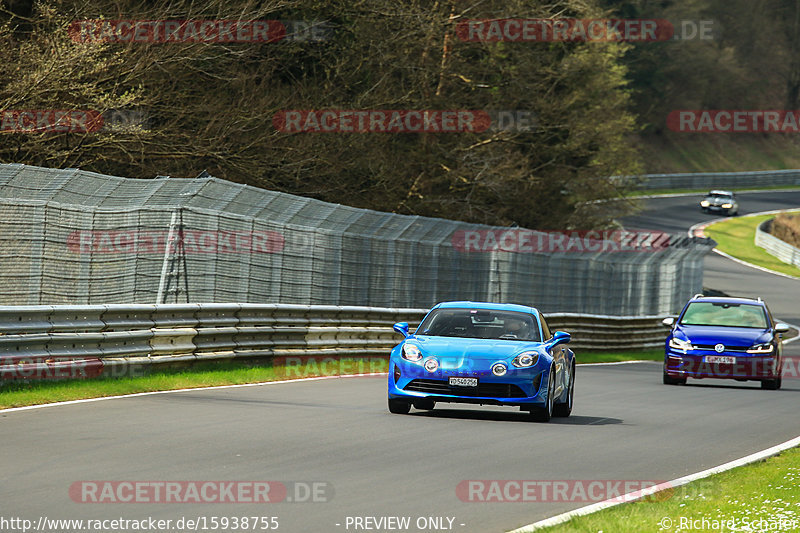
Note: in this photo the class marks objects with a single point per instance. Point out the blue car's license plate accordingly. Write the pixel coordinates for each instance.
(464, 382)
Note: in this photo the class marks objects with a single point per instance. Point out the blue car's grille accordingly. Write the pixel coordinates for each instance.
(492, 390)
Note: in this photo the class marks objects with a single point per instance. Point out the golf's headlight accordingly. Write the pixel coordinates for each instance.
(680, 344)
(525, 359)
(705, 203)
(431, 365)
(499, 369)
(767, 347)
(411, 353)
(727, 206)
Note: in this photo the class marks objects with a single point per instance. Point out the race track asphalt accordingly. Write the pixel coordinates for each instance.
(626, 426)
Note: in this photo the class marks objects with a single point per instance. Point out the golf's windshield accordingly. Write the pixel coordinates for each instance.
(480, 324)
(725, 314)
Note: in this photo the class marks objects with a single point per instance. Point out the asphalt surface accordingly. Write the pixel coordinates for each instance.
(626, 426)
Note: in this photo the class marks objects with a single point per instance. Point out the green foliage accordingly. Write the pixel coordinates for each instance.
(210, 106)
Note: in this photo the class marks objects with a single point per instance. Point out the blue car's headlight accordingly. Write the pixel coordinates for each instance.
(411, 353)
(525, 359)
(767, 347)
(680, 344)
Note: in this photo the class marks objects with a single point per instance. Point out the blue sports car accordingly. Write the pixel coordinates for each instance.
(723, 337)
(483, 353)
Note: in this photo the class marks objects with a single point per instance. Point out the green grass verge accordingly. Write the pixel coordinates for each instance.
(767, 490)
(211, 374)
(206, 374)
(736, 237)
(604, 357)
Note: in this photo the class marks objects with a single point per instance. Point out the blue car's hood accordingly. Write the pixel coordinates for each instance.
(725, 335)
(476, 349)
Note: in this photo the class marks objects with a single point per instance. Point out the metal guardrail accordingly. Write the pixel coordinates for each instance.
(85, 341)
(775, 246)
(717, 180)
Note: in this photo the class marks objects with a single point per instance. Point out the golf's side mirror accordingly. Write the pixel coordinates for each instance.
(780, 327)
(668, 322)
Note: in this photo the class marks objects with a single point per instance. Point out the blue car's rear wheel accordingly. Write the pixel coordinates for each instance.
(565, 409)
(399, 407)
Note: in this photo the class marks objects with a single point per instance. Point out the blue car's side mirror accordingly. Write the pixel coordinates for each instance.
(560, 337)
(401, 328)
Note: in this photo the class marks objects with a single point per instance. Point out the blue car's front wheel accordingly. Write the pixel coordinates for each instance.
(399, 407)
(545, 413)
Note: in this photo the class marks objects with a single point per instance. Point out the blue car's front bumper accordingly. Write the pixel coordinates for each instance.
(519, 387)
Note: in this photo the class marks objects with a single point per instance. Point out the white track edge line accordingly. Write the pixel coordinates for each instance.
(637, 495)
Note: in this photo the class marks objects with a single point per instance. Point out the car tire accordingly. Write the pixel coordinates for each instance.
(424, 405)
(669, 380)
(544, 414)
(399, 407)
(565, 409)
(771, 384)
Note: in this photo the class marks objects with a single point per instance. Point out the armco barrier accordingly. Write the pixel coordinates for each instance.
(718, 180)
(55, 341)
(775, 246)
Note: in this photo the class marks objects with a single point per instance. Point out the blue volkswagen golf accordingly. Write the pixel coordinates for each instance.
(483, 353)
(723, 337)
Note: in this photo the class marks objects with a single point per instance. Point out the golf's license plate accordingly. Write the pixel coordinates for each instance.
(720, 359)
(464, 382)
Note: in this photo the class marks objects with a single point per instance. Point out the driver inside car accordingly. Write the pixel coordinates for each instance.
(515, 328)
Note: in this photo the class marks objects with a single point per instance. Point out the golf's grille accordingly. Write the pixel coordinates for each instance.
(710, 347)
(493, 390)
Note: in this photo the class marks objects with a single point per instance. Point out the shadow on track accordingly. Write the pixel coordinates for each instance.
(512, 416)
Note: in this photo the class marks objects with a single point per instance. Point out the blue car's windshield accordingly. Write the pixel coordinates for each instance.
(480, 324)
(725, 314)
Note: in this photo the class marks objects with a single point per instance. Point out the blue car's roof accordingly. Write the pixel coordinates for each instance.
(488, 305)
(727, 299)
